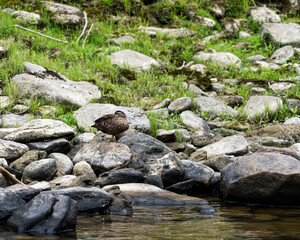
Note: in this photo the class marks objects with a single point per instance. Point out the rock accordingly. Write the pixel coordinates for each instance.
(202, 138)
(159, 113)
(207, 22)
(3, 182)
(27, 158)
(223, 59)
(187, 186)
(85, 174)
(282, 86)
(89, 199)
(41, 186)
(64, 14)
(7, 10)
(54, 87)
(63, 181)
(121, 204)
(197, 172)
(264, 15)
(236, 125)
(218, 87)
(46, 213)
(198, 156)
(296, 147)
(47, 110)
(162, 104)
(281, 34)
(63, 163)
(123, 40)
(175, 146)
(149, 195)
(275, 142)
(256, 58)
(230, 28)
(83, 138)
(262, 178)
(243, 34)
(232, 145)
(9, 203)
(136, 117)
(27, 17)
(292, 120)
(282, 55)
(104, 156)
(145, 150)
(117, 176)
(218, 163)
(167, 32)
(40, 170)
(25, 192)
(290, 132)
(265, 65)
(213, 105)
(180, 104)
(258, 105)
(4, 102)
(217, 9)
(294, 104)
(132, 59)
(19, 108)
(166, 135)
(192, 121)
(189, 149)
(41, 129)
(12, 120)
(200, 68)
(183, 135)
(60, 145)
(5, 131)
(3, 162)
(12, 150)
(232, 100)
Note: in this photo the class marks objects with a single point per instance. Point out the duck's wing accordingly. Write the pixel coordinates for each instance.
(104, 118)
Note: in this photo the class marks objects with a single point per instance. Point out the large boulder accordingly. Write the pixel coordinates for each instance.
(54, 87)
(263, 178)
(281, 34)
(168, 32)
(41, 129)
(132, 59)
(24, 191)
(136, 117)
(46, 213)
(12, 150)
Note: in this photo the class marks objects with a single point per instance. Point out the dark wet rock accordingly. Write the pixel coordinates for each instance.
(218, 163)
(60, 145)
(24, 191)
(149, 195)
(262, 178)
(40, 170)
(12, 120)
(187, 186)
(44, 214)
(176, 146)
(118, 176)
(12, 150)
(9, 202)
(88, 199)
(198, 172)
(207, 210)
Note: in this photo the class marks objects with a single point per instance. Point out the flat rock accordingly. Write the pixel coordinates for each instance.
(281, 34)
(41, 129)
(104, 156)
(12, 150)
(282, 55)
(192, 121)
(134, 60)
(258, 105)
(123, 40)
(232, 145)
(282, 86)
(264, 15)
(60, 145)
(64, 14)
(262, 178)
(223, 59)
(149, 195)
(27, 17)
(12, 120)
(180, 105)
(54, 87)
(256, 58)
(136, 117)
(167, 32)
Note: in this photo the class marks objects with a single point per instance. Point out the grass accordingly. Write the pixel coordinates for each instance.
(121, 87)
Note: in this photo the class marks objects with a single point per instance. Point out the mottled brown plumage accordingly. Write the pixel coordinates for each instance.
(112, 124)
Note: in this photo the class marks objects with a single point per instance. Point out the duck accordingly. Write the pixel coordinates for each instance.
(113, 124)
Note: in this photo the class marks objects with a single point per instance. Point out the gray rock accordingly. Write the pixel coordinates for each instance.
(264, 15)
(192, 121)
(41, 186)
(85, 174)
(213, 105)
(232, 145)
(295, 147)
(117, 176)
(41, 129)
(60, 145)
(168, 33)
(258, 105)
(121, 204)
(104, 156)
(46, 213)
(230, 28)
(149, 195)
(196, 90)
(162, 104)
(3, 162)
(217, 9)
(256, 58)
(282, 55)
(54, 87)
(24, 191)
(197, 172)
(282, 86)
(27, 17)
(132, 59)
(64, 14)
(166, 135)
(176, 146)
(201, 68)
(183, 135)
(63, 163)
(4, 102)
(7, 10)
(9, 203)
(123, 40)
(207, 22)
(265, 65)
(145, 150)
(218, 163)
(232, 100)
(19, 108)
(263, 178)
(160, 113)
(12, 150)
(189, 149)
(180, 104)
(293, 120)
(202, 138)
(223, 59)
(63, 181)
(40, 170)
(83, 138)
(136, 117)
(243, 34)
(281, 34)
(3, 182)
(89, 199)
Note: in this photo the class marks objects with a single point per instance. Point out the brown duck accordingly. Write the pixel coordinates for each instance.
(112, 124)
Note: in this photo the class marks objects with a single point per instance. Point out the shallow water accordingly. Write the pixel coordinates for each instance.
(228, 222)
